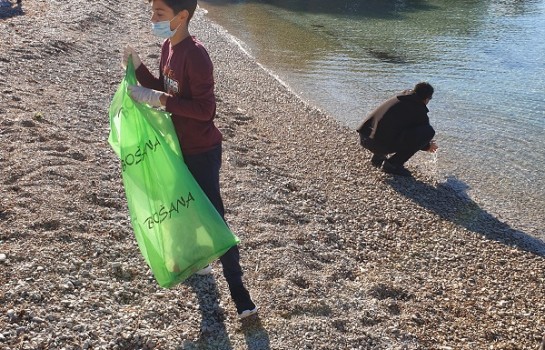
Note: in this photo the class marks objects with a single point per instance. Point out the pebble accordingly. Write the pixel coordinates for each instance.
(11, 313)
(38, 319)
(68, 285)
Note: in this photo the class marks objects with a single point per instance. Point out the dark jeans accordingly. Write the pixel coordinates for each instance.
(205, 168)
(407, 144)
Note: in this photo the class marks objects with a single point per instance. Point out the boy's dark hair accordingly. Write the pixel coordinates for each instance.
(423, 90)
(179, 5)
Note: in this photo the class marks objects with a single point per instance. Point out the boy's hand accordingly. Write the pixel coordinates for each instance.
(145, 95)
(129, 51)
(433, 147)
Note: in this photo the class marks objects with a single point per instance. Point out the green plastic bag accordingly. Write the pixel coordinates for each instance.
(177, 228)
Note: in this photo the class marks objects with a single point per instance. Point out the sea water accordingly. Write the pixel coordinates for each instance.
(485, 58)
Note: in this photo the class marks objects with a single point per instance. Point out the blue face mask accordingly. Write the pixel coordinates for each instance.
(162, 29)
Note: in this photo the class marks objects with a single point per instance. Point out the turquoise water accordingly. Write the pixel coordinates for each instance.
(486, 60)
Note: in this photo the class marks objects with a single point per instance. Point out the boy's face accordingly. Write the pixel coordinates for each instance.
(161, 11)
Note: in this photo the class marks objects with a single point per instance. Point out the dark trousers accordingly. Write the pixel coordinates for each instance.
(404, 147)
(205, 168)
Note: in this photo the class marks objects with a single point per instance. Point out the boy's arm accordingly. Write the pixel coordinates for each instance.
(202, 105)
(146, 79)
(143, 75)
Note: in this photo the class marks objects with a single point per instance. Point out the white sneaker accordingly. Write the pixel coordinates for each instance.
(206, 271)
(247, 313)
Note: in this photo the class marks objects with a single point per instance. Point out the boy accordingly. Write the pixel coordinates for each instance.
(185, 88)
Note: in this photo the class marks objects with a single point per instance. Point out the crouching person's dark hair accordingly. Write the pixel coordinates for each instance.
(423, 90)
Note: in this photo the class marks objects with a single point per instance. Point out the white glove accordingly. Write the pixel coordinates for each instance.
(129, 51)
(145, 95)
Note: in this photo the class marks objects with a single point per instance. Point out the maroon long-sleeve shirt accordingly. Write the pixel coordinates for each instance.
(186, 74)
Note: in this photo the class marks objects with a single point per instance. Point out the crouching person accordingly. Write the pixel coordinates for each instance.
(399, 127)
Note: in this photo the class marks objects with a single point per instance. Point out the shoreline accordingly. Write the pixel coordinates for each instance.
(452, 187)
(336, 253)
(511, 196)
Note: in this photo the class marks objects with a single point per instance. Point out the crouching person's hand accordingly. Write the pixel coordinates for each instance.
(433, 147)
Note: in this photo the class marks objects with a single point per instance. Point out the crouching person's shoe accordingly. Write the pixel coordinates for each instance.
(377, 160)
(395, 169)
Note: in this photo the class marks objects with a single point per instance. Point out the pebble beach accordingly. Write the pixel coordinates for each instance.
(337, 254)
